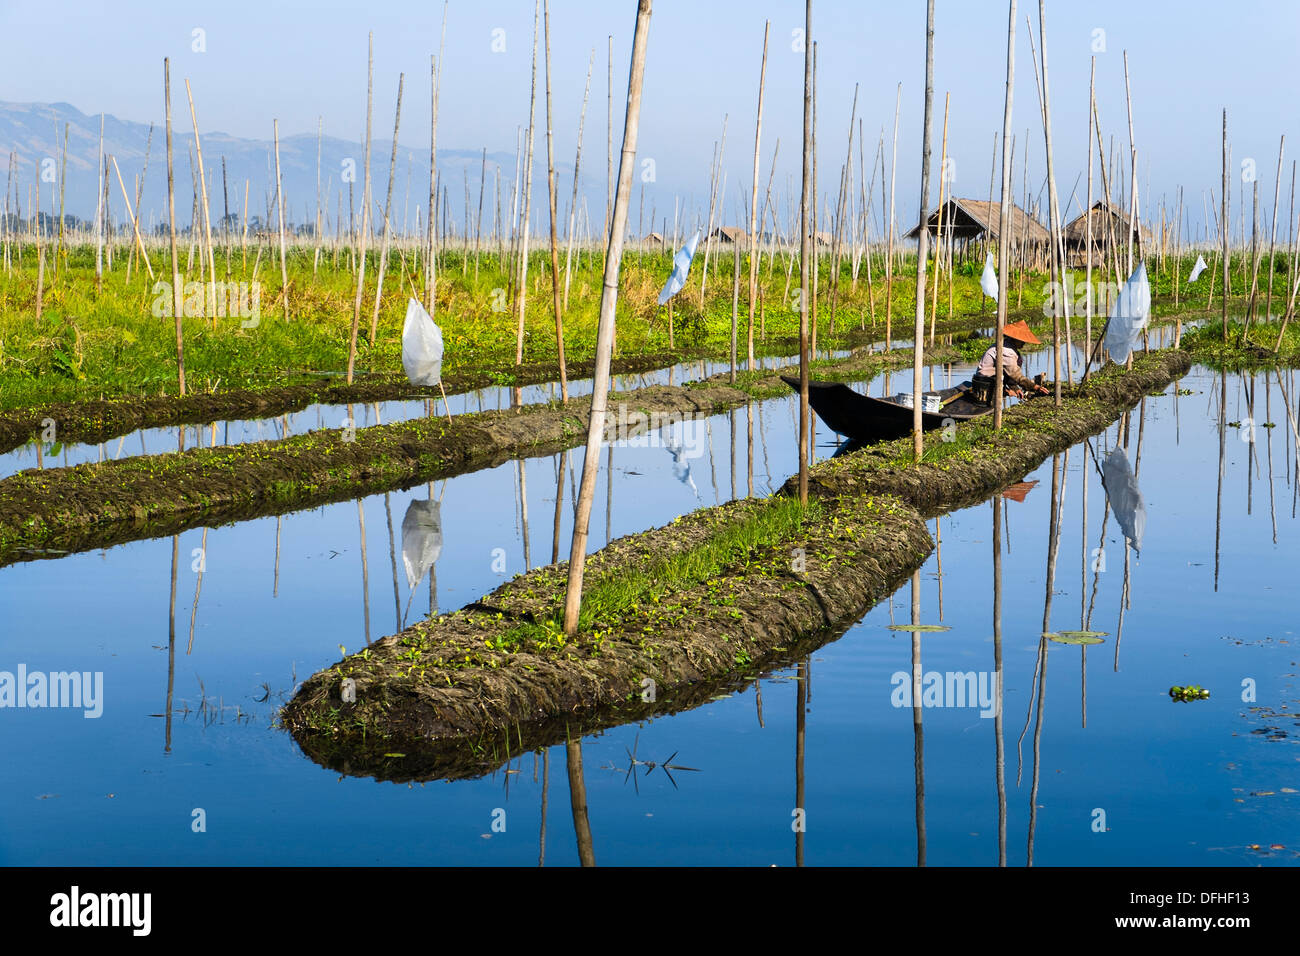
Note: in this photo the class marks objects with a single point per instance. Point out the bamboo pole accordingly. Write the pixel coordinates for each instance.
(1224, 227)
(279, 190)
(1092, 98)
(63, 181)
(430, 259)
(365, 212)
(388, 203)
(753, 205)
(938, 235)
(577, 164)
(605, 331)
(1053, 207)
(551, 189)
(1004, 237)
(521, 292)
(803, 251)
(135, 219)
(923, 239)
(207, 216)
(177, 300)
(889, 253)
(1272, 239)
(99, 211)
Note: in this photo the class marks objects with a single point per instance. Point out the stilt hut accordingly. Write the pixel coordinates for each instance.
(1110, 225)
(973, 225)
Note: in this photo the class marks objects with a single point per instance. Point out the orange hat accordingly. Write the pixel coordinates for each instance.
(1020, 332)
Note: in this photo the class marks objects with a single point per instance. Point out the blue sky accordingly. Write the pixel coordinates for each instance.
(296, 61)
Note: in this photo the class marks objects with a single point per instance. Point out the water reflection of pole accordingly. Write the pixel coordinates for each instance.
(731, 419)
(559, 505)
(365, 570)
(1218, 504)
(713, 463)
(1268, 417)
(918, 736)
(578, 802)
(800, 732)
(938, 562)
(523, 512)
(546, 785)
(999, 750)
(392, 554)
(171, 646)
(749, 446)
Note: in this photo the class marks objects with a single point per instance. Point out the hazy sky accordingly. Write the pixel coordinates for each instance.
(297, 61)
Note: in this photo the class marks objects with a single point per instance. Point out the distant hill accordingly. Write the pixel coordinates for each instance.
(35, 132)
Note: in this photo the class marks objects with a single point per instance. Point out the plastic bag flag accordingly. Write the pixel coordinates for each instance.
(1129, 316)
(1197, 269)
(421, 346)
(681, 266)
(989, 280)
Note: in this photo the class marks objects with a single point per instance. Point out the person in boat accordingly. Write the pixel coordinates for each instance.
(1014, 381)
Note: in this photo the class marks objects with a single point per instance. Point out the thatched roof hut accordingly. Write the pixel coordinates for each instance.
(971, 219)
(654, 239)
(1102, 214)
(730, 234)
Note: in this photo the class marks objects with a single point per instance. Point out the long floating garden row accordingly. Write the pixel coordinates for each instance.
(672, 614)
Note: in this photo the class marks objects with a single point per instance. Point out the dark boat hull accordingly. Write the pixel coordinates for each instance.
(866, 419)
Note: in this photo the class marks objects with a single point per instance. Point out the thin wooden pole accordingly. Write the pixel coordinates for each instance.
(938, 235)
(753, 204)
(177, 299)
(279, 189)
(804, 250)
(577, 164)
(365, 212)
(889, 254)
(923, 239)
(605, 330)
(1224, 227)
(388, 203)
(555, 242)
(1004, 237)
(1272, 238)
(207, 216)
(521, 292)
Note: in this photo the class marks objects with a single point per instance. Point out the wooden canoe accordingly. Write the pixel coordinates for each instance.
(866, 419)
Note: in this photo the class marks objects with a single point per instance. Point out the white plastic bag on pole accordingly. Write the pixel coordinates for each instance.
(1197, 270)
(989, 280)
(421, 346)
(1129, 316)
(681, 267)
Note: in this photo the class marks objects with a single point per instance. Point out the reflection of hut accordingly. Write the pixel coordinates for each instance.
(974, 221)
(1107, 221)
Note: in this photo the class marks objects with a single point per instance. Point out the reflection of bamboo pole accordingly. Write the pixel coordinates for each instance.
(365, 570)
(918, 733)
(392, 554)
(171, 646)
(999, 752)
(800, 738)
(198, 586)
(577, 787)
(559, 505)
(546, 786)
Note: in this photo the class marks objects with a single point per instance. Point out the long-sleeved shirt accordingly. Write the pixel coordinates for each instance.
(1010, 367)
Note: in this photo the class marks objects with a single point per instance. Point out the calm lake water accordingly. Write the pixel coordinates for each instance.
(1099, 765)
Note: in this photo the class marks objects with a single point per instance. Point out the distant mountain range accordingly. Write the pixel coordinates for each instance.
(33, 133)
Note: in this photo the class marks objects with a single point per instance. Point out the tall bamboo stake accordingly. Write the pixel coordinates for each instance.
(521, 296)
(365, 211)
(430, 258)
(177, 300)
(923, 239)
(555, 242)
(1004, 236)
(1224, 227)
(577, 164)
(938, 235)
(1272, 239)
(605, 330)
(388, 203)
(804, 250)
(99, 212)
(279, 189)
(207, 216)
(753, 203)
(889, 254)
(1053, 209)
